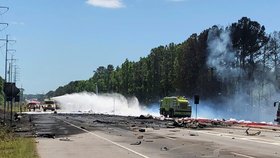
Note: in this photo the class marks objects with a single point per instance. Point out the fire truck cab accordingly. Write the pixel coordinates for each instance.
(175, 106)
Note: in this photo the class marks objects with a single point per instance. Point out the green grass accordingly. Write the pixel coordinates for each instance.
(12, 146)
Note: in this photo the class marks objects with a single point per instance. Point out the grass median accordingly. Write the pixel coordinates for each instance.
(12, 146)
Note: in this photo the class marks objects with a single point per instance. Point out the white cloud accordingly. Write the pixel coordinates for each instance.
(106, 3)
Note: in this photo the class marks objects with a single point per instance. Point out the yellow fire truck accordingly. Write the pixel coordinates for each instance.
(175, 106)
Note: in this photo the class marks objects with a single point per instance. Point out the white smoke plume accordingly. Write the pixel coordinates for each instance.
(221, 57)
(253, 100)
(114, 103)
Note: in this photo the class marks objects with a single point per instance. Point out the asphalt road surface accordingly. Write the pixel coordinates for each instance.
(100, 136)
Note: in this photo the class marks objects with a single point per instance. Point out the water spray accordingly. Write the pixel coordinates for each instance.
(107, 103)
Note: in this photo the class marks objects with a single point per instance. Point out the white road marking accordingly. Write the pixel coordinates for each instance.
(135, 152)
(239, 137)
(242, 155)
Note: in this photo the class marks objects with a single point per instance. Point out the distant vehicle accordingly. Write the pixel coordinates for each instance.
(277, 104)
(33, 105)
(49, 104)
(175, 106)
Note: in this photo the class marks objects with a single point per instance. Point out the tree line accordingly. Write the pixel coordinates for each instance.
(183, 69)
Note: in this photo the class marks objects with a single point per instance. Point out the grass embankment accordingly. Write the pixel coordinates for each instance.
(12, 146)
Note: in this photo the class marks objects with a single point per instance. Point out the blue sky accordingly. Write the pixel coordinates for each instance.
(59, 41)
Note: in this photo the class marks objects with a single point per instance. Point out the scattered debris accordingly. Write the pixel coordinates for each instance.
(252, 134)
(142, 130)
(99, 121)
(64, 139)
(193, 134)
(164, 148)
(199, 123)
(178, 124)
(136, 143)
(145, 117)
(140, 137)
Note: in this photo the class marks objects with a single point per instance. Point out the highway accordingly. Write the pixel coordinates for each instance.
(117, 136)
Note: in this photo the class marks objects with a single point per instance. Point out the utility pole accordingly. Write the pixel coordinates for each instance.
(6, 61)
(5, 98)
(16, 73)
(11, 113)
(10, 80)
(11, 65)
(6, 9)
(6, 58)
(17, 104)
(9, 72)
(21, 99)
